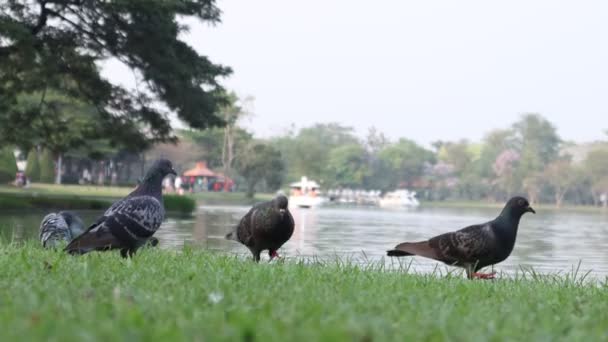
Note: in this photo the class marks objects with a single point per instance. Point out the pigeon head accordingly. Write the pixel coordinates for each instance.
(160, 169)
(517, 206)
(73, 221)
(280, 203)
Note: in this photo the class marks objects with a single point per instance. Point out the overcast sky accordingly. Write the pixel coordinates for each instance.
(425, 70)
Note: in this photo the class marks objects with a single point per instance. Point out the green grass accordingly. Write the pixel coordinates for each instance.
(198, 295)
(497, 205)
(230, 198)
(72, 197)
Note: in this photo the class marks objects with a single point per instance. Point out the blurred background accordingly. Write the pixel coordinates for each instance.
(381, 122)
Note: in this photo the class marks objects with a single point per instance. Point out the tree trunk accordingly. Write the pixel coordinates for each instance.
(251, 189)
(59, 163)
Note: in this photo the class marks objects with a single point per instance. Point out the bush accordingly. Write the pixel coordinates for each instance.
(32, 170)
(47, 167)
(8, 165)
(181, 204)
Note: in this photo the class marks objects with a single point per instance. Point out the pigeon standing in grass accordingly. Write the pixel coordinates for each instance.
(473, 247)
(267, 225)
(129, 223)
(61, 227)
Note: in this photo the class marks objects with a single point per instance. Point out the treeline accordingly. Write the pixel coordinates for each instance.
(529, 158)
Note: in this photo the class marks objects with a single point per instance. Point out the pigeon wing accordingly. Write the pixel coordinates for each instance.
(123, 225)
(54, 229)
(466, 246)
(244, 230)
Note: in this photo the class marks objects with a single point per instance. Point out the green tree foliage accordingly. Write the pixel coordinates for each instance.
(307, 152)
(596, 166)
(561, 176)
(260, 162)
(347, 166)
(32, 169)
(405, 162)
(8, 165)
(45, 43)
(538, 143)
(47, 167)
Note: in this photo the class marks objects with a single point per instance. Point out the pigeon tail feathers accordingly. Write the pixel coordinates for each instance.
(413, 248)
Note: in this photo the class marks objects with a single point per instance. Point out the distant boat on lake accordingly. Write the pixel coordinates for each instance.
(305, 194)
(399, 199)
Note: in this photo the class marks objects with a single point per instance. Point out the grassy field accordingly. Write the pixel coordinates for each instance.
(197, 295)
(113, 192)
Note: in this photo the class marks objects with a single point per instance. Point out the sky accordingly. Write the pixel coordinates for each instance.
(425, 70)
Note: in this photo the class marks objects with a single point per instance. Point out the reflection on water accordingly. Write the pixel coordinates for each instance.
(549, 241)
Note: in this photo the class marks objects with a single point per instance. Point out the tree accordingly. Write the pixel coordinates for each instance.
(260, 162)
(53, 121)
(504, 167)
(596, 166)
(8, 165)
(32, 169)
(57, 44)
(561, 176)
(457, 154)
(307, 152)
(405, 161)
(47, 167)
(210, 143)
(537, 142)
(494, 143)
(347, 166)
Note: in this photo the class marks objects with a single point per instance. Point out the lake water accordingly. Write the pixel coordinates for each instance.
(550, 241)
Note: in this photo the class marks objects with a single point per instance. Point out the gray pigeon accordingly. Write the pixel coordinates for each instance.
(267, 225)
(130, 222)
(61, 227)
(473, 247)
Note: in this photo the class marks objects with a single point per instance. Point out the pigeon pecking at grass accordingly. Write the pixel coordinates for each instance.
(130, 222)
(473, 247)
(59, 228)
(267, 225)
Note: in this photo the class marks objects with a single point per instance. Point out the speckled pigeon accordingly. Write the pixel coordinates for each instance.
(130, 222)
(61, 227)
(267, 225)
(473, 247)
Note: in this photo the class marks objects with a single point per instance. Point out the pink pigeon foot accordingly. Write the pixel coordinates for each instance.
(484, 275)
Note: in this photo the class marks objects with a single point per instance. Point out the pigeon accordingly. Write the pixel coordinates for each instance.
(267, 225)
(61, 227)
(130, 222)
(473, 247)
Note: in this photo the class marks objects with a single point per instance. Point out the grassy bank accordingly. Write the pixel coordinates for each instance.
(61, 197)
(203, 296)
(496, 205)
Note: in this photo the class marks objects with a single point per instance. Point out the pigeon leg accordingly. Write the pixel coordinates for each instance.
(273, 254)
(484, 275)
(127, 253)
(256, 256)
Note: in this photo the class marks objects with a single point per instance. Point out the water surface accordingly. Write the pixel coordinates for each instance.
(551, 241)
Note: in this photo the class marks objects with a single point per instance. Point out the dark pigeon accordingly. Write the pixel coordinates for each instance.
(267, 226)
(473, 247)
(58, 228)
(129, 223)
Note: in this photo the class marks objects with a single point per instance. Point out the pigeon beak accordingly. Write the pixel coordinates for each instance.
(172, 172)
(531, 210)
(282, 211)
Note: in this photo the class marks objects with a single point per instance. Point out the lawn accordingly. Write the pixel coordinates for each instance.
(197, 295)
(114, 192)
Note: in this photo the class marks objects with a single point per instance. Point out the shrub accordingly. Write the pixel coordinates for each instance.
(181, 204)
(8, 165)
(47, 167)
(32, 170)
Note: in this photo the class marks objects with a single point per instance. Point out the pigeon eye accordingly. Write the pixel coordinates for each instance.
(521, 202)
